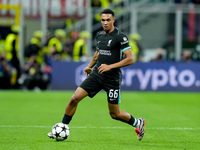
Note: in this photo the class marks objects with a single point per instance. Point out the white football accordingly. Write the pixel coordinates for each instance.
(60, 131)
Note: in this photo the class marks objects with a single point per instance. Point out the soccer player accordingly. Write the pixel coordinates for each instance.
(106, 75)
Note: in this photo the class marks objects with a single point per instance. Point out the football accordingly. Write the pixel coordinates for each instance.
(60, 131)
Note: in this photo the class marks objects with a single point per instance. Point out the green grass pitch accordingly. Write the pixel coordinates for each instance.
(172, 121)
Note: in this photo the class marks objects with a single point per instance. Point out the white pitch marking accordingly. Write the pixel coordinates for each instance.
(104, 127)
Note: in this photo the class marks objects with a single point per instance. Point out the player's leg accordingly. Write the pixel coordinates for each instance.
(70, 109)
(89, 87)
(113, 95)
(123, 116)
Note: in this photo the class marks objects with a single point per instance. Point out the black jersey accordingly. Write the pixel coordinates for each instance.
(110, 49)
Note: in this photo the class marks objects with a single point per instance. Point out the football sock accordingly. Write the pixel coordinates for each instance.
(66, 119)
(132, 120)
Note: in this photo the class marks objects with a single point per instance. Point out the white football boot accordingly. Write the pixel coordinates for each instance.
(50, 135)
(139, 129)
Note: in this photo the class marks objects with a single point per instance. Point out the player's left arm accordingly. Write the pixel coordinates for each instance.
(129, 60)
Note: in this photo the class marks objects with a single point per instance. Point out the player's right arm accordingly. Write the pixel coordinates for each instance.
(93, 62)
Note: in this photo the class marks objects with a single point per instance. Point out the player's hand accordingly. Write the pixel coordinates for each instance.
(87, 71)
(103, 68)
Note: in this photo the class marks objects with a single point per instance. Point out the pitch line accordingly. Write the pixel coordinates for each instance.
(103, 127)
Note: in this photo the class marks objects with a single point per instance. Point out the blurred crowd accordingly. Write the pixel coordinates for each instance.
(167, 52)
(35, 73)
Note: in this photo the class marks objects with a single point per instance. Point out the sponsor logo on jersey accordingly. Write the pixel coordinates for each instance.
(105, 52)
(125, 41)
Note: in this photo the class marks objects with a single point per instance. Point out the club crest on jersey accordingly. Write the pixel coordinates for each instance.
(109, 42)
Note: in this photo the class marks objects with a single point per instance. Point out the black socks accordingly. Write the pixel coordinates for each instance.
(132, 121)
(66, 119)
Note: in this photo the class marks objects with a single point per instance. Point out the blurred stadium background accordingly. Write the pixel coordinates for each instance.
(51, 41)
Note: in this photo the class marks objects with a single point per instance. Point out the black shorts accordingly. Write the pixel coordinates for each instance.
(93, 84)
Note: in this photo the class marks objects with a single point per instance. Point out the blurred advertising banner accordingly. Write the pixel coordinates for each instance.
(137, 77)
(55, 8)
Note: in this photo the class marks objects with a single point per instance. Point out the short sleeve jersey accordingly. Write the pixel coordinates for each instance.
(110, 50)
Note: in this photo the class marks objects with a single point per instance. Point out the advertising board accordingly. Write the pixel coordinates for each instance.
(137, 77)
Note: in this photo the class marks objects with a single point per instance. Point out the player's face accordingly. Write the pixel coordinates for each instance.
(107, 21)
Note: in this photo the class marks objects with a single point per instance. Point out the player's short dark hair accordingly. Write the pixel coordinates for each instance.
(108, 11)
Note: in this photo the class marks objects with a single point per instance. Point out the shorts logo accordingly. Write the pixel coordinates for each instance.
(112, 99)
(109, 42)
